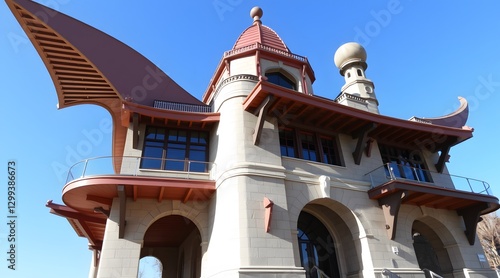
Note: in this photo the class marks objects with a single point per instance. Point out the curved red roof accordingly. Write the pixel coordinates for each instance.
(93, 64)
(261, 34)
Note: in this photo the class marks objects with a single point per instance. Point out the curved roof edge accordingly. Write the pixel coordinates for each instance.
(131, 75)
(456, 119)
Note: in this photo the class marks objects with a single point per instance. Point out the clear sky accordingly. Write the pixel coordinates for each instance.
(422, 55)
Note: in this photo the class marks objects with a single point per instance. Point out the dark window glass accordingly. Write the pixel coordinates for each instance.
(318, 254)
(287, 143)
(406, 164)
(279, 79)
(359, 72)
(308, 147)
(181, 150)
(331, 154)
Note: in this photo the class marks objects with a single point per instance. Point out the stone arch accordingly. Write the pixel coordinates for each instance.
(176, 242)
(152, 211)
(347, 231)
(434, 234)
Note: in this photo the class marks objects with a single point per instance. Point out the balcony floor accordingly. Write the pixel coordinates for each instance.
(87, 193)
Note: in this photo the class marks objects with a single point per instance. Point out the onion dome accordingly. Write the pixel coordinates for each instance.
(348, 53)
(259, 33)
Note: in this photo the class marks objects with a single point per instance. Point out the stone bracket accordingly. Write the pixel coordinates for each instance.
(268, 205)
(362, 136)
(390, 206)
(262, 111)
(442, 159)
(122, 210)
(471, 216)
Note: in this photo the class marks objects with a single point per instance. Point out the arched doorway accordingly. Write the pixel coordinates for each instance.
(318, 251)
(175, 241)
(430, 250)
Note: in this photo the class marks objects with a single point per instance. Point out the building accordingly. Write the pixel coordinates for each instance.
(260, 177)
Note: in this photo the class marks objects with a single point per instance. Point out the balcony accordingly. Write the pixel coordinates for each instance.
(394, 184)
(94, 183)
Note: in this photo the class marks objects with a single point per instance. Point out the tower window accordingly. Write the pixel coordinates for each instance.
(348, 75)
(175, 149)
(360, 73)
(280, 79)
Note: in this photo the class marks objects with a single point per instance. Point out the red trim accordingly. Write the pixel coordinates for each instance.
(263, 88)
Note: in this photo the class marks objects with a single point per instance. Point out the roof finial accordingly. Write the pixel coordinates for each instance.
(256, 13)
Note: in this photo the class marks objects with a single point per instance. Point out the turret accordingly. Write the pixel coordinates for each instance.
(358, 91)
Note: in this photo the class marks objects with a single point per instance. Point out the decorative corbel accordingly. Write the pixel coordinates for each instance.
(268, 205)
(471, 216)
(442, 159)
(368, 148)
(262, 111)
(362, 136)
(390, 206)
(324, 185)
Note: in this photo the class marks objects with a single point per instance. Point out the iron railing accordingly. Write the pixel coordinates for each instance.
(141, 166)
(266, 48)
(393, 171)
(185, 107)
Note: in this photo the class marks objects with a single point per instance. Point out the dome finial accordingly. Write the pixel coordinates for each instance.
(256, 13)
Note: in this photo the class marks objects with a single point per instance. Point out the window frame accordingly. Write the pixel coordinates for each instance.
(407, 166)
(285, 77)
(317, 141)
(169, 146)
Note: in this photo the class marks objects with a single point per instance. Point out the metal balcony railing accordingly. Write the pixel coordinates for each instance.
(393, 171)
(141, 166)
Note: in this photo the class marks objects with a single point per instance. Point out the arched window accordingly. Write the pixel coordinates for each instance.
(360, 73)
(318, 254)
(280, 79)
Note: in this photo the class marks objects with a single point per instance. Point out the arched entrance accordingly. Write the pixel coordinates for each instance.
(175, 241)
(318, 254)
(429, 249)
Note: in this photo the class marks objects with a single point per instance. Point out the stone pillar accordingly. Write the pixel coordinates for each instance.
(119, 256)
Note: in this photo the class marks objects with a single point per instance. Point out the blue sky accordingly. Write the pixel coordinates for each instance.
(422, 55)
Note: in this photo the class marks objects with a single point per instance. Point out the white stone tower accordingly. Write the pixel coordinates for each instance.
(249, 172)
(358, 91)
